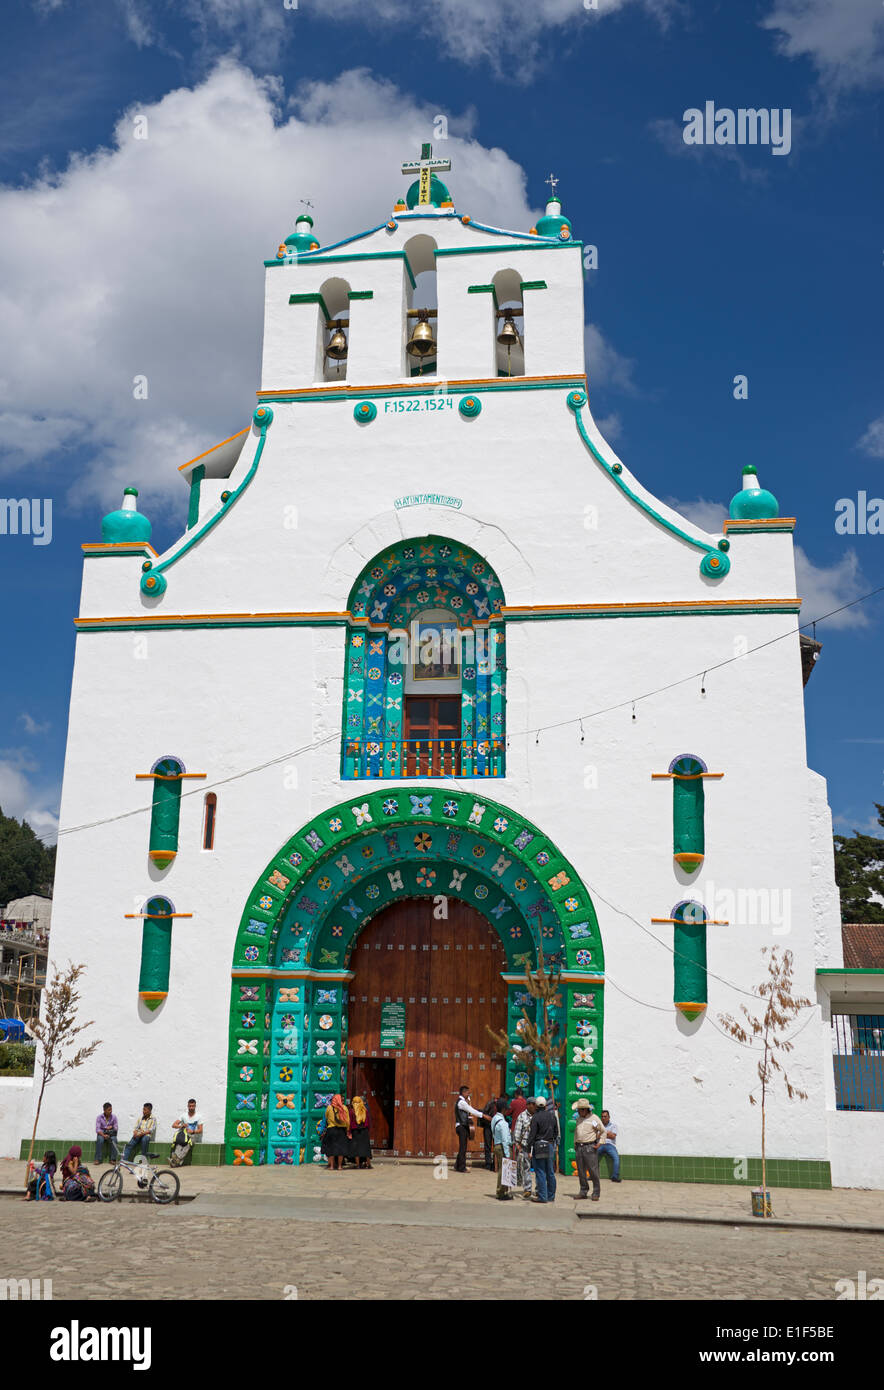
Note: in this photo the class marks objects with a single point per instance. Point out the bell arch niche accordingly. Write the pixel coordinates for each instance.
(288, 1041)
(404, 716)
(333, 339)
(508, 323)
(421, 329)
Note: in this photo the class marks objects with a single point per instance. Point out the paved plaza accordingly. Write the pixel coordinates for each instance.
(399, 1232)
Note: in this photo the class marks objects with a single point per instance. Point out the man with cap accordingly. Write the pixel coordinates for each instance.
(588, 1134)
(520, 1140)
(543, 1134)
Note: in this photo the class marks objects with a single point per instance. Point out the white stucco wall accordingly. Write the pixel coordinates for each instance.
(226, 700)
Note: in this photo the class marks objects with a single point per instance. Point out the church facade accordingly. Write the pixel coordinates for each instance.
(431, 689)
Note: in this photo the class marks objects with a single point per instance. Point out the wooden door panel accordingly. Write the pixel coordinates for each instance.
(436, 986)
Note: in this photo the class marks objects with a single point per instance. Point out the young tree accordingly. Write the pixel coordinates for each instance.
(57, 1032)
(859, 873)
(781, 1009)
(538, 1035)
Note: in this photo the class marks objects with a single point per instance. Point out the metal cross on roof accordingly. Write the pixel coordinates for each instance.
(552, 181)
(425, 167)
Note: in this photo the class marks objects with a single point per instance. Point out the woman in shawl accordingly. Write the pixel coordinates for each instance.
(42, 1177)
(337, 1133)
(360, 1128)
(76, 1183)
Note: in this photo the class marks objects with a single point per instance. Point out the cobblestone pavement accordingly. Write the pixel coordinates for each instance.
(135, 1250)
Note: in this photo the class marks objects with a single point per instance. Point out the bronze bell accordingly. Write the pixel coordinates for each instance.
(422, 342)
(337, 345)
(508, 336)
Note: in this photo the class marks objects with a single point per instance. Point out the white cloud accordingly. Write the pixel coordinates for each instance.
(31, 725)
(872, 442)
(147, 259)
(611, 426)
(605, 366)
(822, 588)
(843, 39)
(670, 134)
(26, 797)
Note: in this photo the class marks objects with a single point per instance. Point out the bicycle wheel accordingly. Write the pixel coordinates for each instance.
(164, 1186)
(110, 1185)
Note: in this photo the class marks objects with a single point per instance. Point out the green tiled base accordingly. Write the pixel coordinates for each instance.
(781, 1172)
(204, 1155)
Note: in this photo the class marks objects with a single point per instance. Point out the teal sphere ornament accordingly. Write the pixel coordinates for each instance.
(753, 502)
(263, 416)
(470, 407)
(364, 412)
(576, 400)
(126, 524)
(714, 564)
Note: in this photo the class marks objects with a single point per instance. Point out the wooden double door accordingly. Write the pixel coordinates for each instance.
(446, 975)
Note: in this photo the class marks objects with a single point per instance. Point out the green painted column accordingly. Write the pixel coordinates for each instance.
(165, 811)
(156, 952)
(689, 958)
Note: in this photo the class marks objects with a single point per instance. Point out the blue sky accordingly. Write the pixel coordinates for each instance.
(713, 261)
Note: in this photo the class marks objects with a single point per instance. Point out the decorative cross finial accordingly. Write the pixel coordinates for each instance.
(552, 181)
(425, 167)
(307, 203)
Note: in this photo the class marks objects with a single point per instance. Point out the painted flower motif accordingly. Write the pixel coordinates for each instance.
(584, 1028)
(522, 1078)
(325, 1073)
(244, 1129)
(521, 884)
(469, 673)
(584, 957)
(262, 1130)
(362, 813)
(582, 1056)
(243, 1156)
(449, 808)
(456, 601)
(368, 852)
(295, 858)
(377, 572)
(246, 1073)
(497, 720)
(374, 673)
(478, 568)
(515, 931)
(391, 806)
(501, 824)
(326, 996)
(325, 1049)
(395, 679)
(374, 747)
(357, 640)
(314, 840)
(572, 904)
(335, 823)
(337, 931)
(390, 590)
(248, 1020)
(521, 1026)
(372, 891)
(287, 1021)
(477, 813)
(324, 884)
(582, 1083)
(266, 902)
(426, 878)
(421, 805)
(481, 891)
(286, 1073)
(478, 851)
(423, 842)
(422, 596)
(251, 953)
(283, 1128)
(542, 858)
(326, 1021)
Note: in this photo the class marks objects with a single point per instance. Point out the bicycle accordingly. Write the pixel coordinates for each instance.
(163, 1187)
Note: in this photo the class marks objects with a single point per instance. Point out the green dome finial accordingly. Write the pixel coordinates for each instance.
(127, 524)
(753, 502)
(302, 238)
(552, 223)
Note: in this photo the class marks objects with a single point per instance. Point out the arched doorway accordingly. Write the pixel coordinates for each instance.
(425, 989)
(293, 958)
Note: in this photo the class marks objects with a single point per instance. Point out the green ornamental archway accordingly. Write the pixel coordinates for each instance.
(288, 1013)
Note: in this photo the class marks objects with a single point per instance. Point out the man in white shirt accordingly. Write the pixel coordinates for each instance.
(462, 1112)
(190, 1131)
(588, 1134)
(520, 1140)
(503, 1147)
(609, 1145)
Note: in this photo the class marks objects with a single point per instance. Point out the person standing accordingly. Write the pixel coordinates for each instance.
(609, 1145)
(542, 1138)
(503, 1147)
(485, 1126)
(337, 1134)
(517, 1107)
(360, 1127)
(106, 1128)
(520, 1143)
(462, 1112)
(588, 1134)
(142, 1134)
